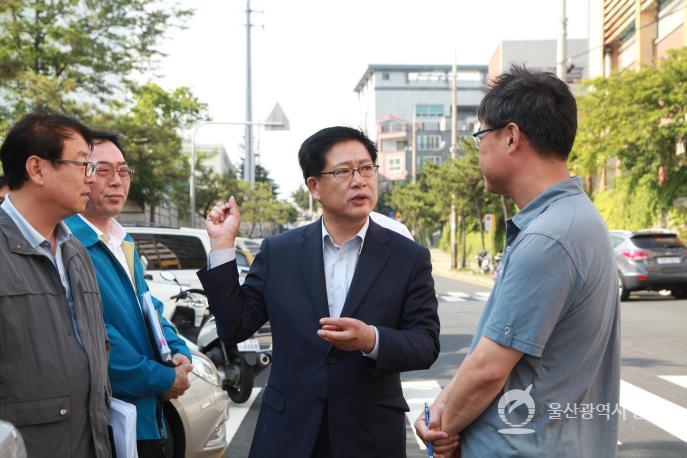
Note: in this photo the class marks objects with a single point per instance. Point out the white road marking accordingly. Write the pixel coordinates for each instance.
(416, 394)
(483, 294)
(679, 380)
(668, 416)
(237, 412)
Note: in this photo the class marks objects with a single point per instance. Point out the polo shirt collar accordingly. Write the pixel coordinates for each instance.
(536, 206)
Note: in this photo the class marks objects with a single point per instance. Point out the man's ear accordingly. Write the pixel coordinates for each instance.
(35, 167)
(313, 187)
(513, 135)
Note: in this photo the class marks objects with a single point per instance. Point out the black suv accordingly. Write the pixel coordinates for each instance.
(650, 260)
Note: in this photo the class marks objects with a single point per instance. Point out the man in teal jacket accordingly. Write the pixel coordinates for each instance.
(136, 372)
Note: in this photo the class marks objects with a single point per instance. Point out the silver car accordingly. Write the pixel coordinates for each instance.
(11, 443)
(195, 421)
(650, 260)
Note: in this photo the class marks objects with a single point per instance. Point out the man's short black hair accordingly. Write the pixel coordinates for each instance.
(102, 136)
(3, 181)
(311, 156)
(539, 103)
(42, 134)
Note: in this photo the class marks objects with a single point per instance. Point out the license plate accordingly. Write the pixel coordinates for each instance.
(249, 345)
(671, 260)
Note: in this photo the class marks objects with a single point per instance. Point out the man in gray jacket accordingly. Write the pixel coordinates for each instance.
(53, 346)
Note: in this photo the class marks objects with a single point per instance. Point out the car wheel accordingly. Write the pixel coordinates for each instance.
(679, 293)
(241, 389)
(622, 291)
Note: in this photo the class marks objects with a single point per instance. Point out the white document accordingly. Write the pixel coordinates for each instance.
(123, 423)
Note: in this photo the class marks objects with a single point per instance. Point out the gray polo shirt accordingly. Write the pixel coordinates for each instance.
(556, 300)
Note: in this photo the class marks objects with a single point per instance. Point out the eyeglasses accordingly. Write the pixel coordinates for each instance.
(477, 136)
(108, 171)
(90, 166)
(365, 171)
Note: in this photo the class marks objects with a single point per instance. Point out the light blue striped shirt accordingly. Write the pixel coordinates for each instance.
(42, 246)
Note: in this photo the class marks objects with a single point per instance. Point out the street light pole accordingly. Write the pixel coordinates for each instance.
(248, 165)
(192, 181)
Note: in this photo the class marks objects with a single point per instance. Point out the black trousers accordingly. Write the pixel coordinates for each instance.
(150, 449)
(323, 448)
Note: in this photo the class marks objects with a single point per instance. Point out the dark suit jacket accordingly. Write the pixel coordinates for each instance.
(392, 289)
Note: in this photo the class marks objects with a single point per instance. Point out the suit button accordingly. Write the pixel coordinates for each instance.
(319, 400)
(69, 333)
(331, 359)
(63, 412)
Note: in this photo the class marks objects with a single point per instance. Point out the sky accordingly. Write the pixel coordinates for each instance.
(308, 55)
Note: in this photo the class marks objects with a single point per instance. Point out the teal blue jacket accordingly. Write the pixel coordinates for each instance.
(135, 374)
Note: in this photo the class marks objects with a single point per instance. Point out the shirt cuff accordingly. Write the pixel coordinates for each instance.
(375, 350)
(220, 257)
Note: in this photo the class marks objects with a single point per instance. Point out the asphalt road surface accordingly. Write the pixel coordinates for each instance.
(654, 373)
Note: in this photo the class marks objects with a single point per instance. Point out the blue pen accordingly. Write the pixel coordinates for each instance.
(430, 450)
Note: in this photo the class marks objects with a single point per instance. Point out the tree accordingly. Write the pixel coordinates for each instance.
(211, 187)
(301, 197)
(259, 208)
(150, 130)
(639, 118)
(62, 53)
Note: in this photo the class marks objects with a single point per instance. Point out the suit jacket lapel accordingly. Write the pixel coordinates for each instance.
(373, 257)
(313, 268)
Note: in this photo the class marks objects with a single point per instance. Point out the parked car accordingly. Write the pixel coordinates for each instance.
(196, 421)
(651, 260)
(11, 443)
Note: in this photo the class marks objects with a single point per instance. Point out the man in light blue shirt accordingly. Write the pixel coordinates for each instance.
(543, 371)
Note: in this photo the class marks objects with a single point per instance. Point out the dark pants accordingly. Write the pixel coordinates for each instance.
(150, 449)
(323, 448)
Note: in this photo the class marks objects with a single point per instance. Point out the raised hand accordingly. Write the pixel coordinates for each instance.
(222, 224)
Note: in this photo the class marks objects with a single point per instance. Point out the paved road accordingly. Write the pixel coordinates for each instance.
(654, 372)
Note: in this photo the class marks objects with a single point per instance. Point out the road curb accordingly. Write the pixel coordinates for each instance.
(441, 266)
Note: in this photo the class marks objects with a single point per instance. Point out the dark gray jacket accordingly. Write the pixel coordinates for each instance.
(53, 390)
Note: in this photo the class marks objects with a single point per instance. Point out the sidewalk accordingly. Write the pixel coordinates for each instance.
(441, 266)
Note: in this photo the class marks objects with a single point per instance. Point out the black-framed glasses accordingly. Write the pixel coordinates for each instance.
(108, 171)
(477, 136)
(89, 166)
(346, 173)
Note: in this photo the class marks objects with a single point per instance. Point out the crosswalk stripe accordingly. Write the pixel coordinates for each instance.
(666, 415)
(484, 294)
(679, 380)
(237, 412)
(417, 393)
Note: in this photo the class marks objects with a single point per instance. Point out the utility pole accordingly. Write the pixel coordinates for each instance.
(248, 163)
(561, 58)
(454, 132)
(414, 147)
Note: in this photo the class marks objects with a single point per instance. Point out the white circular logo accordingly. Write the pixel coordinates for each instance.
(511, 400)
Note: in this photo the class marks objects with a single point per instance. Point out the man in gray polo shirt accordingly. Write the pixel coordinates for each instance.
(542, 376)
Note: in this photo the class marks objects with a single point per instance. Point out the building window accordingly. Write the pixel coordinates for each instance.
(394, 164)
(401, 145)
(428, 142)
(429, 110)
(385, 76)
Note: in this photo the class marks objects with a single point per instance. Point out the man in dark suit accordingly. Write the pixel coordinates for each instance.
(351, 305)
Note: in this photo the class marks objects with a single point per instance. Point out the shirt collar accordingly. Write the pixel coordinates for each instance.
(536, 206)
(361, 233)
(35, 239)
(115, 232)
